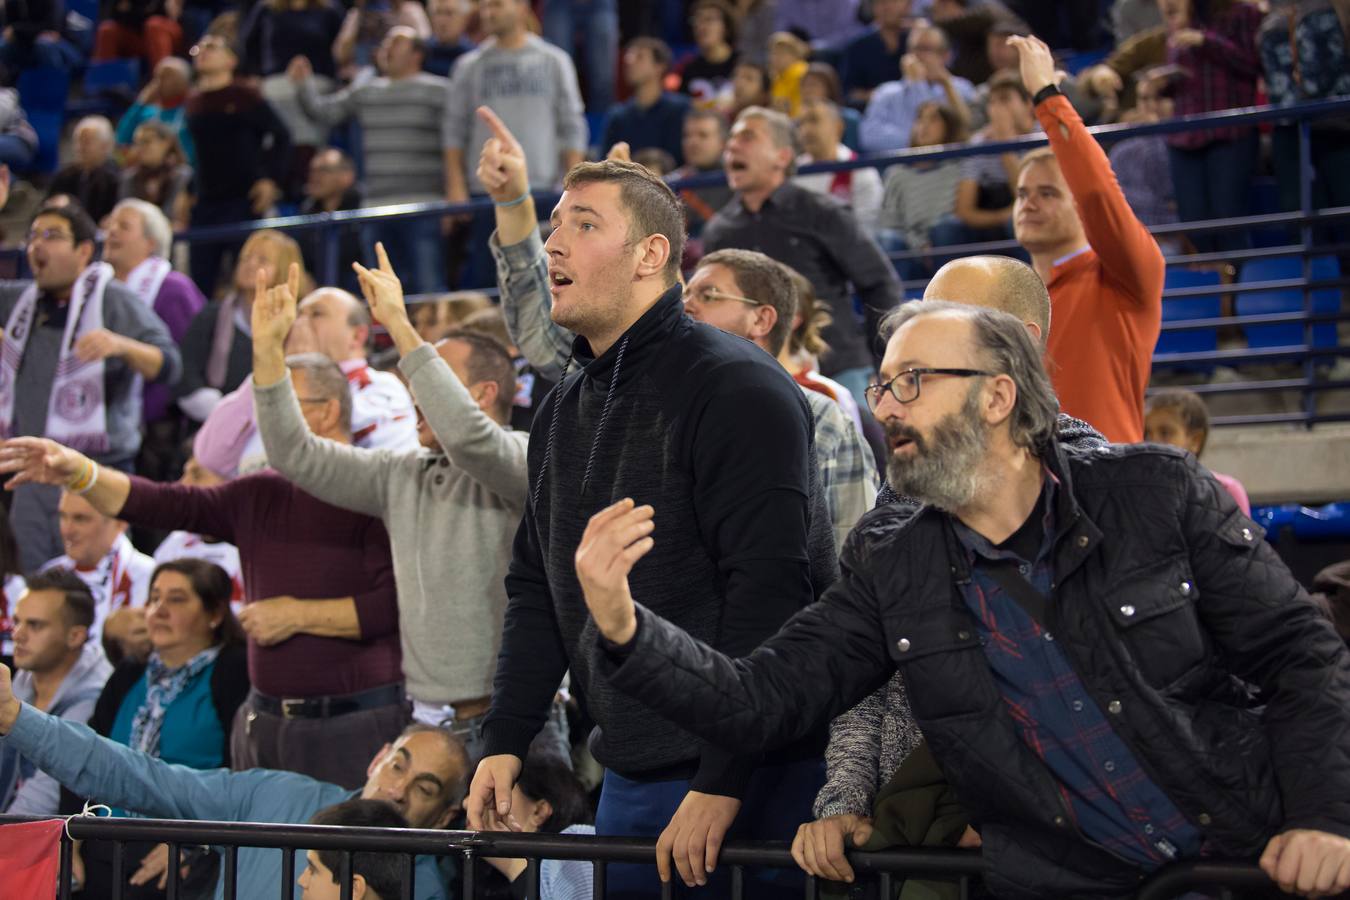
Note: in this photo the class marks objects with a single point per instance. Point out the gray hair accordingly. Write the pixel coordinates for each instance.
(1006, 348)
(99, 124)
(326, 378)
(781, 128)
(154, 224)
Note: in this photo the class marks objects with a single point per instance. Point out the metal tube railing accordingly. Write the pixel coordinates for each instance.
(889, 866)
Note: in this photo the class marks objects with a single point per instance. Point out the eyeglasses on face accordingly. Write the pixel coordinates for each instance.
(905, 386)
(713, 295)
(48, 235)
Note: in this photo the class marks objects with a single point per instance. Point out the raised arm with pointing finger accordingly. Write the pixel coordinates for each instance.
(522, 267)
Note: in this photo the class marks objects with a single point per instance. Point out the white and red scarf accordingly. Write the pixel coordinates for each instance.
(147, 278)
(77, 413)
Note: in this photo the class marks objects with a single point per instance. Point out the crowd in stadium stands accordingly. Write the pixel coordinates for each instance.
(285, 549)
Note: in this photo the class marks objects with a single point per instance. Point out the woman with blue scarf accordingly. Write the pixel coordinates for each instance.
(176, 706)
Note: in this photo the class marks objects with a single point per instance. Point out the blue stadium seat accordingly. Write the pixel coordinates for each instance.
(47, 124)
(1176, 309)
(43, 89)
(1289, 300)
(109, 88)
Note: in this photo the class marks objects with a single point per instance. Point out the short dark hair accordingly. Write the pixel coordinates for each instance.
(714, 115)
(383, 872)
(826, 73)
(765, 280)
(77, 604)
(328, 379)
(547, 776)
(651, 205)
(658, 48)
(490, 361)
(1008, 80)
(731, 20)
(1188, 406)
(214, 586)
(81, 224)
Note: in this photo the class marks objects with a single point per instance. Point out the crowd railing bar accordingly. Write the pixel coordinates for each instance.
(926, 863)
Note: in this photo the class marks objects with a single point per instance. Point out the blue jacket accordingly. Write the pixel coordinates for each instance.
(119, 776)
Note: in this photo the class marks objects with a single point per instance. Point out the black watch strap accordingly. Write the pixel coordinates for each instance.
(1049, 90)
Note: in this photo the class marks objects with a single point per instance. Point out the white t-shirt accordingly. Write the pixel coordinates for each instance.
(186, 545)
(122, 578)
(382, 409)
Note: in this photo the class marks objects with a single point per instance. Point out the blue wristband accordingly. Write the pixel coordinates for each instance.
(516, 202)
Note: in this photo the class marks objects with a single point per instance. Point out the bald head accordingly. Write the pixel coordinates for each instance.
(333, 322)
(996, 282)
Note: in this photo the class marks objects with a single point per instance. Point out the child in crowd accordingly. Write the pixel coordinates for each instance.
(1179, 418)
(548, 798)
(787, 64)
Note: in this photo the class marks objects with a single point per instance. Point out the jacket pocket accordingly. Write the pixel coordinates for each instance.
(938, 652)
(1153, 609)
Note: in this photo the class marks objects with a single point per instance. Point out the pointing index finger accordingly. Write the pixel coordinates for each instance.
(499, 129)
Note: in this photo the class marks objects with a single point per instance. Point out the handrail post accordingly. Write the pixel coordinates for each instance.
(1305, 202)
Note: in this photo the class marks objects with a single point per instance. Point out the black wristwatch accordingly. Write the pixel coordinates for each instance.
(1049, 90)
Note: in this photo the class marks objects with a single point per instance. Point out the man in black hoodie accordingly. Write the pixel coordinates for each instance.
(705, 424)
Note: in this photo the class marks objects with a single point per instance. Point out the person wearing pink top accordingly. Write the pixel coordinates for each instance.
(1179, 418)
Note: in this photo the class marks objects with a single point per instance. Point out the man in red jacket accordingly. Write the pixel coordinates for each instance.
(1103, 269)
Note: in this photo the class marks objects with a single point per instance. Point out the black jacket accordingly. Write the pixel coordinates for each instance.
(1228, 685)
(713, 432)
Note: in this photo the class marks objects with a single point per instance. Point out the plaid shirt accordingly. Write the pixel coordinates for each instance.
(1222, 73)
(1112, 800)
(848, 473)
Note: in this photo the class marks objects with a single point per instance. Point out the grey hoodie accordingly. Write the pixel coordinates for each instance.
(24, 791)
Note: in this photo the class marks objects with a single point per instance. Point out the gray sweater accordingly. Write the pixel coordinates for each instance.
(124, 314)
(533, 89)
(451, 518)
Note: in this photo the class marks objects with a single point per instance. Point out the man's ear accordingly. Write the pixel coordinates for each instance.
(543, 811)
(76, 636)
(451, 810)
(766, 317)
(655, 254)
(359, 887)
(1035, 331)
(1000, 398)
(484, 394)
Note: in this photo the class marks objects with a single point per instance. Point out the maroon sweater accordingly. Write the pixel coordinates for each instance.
(291, 544)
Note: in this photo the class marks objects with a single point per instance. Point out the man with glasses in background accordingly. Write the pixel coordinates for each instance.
(76, 348)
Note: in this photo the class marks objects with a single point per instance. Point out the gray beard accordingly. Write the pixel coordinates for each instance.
(944, 469)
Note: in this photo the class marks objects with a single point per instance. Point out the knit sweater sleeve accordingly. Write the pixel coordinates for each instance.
(851, 760)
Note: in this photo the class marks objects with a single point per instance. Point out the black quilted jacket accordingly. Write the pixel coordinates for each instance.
(1230, 687)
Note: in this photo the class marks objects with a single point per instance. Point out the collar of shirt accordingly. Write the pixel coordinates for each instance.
(1068, 256)
(981, 548)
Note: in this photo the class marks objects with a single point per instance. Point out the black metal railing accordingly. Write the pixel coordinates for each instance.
(889, 867)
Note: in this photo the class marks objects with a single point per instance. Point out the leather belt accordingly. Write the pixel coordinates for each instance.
(325, 707)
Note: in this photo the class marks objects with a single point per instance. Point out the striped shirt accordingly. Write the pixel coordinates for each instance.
(916, 197)
(400, 130)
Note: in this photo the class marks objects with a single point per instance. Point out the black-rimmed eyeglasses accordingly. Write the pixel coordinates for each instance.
(905, 386)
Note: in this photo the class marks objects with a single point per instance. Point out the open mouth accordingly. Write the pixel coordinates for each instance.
(737, 166)
(558, 279)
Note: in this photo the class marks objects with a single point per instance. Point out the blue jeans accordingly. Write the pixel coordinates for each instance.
(601, 42)
(1212, 183)
(416, 250)
(777, 800)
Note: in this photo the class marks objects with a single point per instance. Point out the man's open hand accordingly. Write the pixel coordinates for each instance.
(38, 461)
(1307, 862)
(694, 836)
(614, 540)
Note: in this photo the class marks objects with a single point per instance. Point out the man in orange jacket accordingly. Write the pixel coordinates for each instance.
(1103, 269)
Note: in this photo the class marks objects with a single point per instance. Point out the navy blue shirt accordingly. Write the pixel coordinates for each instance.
(440, 58)
(660, 125)
(867, 62)
(1111, 798)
